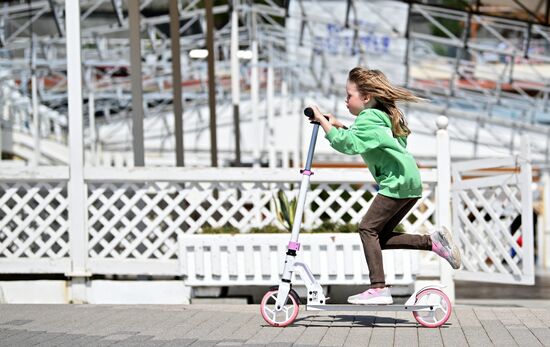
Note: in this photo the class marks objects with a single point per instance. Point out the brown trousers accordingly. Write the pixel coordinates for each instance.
(376, 230)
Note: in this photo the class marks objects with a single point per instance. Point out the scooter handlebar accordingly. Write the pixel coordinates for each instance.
(308, 112)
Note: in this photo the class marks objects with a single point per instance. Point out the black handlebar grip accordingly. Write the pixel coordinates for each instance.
(308, 112)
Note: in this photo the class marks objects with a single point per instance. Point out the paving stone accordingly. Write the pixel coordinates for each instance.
(5, 333)
(19, 337)
(335, 336)
(542, 334)
(61, 339)
(429, 337)
(406, 331)
(453, 337)
(288, 335)
(265, 335)
(177, 343)
(524, 337)
(311, 336)
(498, 334)
(476, 336)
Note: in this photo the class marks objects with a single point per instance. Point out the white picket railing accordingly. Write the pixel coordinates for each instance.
(211, 260)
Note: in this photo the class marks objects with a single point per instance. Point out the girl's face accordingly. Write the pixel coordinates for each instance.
(354, 101)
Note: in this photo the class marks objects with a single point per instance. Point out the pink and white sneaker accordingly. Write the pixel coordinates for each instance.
(443, 245)
(373, 296)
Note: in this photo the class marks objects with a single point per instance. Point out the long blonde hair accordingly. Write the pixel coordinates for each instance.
(375, 84)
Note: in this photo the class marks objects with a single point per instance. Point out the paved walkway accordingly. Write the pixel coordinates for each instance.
(502, 324)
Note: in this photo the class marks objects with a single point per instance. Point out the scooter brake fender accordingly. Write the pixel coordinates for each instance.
(291, 292)
(412, 299)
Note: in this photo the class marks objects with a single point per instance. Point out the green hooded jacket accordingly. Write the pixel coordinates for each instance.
(387, 158)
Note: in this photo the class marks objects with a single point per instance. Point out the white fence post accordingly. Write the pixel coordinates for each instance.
(443, 198)
(526, 179)
(545, 254)
(35, 161)
(270, 131)
(254, 98)
(78, 233)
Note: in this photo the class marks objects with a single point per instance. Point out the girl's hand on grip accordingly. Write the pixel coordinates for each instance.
(333, 121)
(317, 115)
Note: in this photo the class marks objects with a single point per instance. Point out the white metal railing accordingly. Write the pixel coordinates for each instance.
(17, 113)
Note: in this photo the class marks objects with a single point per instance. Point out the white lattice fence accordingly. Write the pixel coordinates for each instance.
(486, 210)
(167, 207)
(130, 220)
(492, 217)
(34, 224)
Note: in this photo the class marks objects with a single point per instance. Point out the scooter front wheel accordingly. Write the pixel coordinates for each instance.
(441, 308)
(283, 317)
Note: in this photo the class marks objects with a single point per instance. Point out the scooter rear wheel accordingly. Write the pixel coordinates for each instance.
(441, 304)
(283, 317)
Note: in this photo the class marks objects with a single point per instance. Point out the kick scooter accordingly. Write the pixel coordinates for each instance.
(280, 305)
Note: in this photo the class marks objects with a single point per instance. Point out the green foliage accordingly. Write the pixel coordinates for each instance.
(268, 229)
(330, 227)
(399, 229)
(347, 228)
(325, 227)
(440, 49)
(451, 25)
(226, 229)
(455, 26)
(285, 210)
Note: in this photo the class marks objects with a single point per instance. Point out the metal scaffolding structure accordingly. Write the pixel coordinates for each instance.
(486, 67)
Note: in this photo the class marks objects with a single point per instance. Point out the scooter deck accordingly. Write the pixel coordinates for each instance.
(370, 307)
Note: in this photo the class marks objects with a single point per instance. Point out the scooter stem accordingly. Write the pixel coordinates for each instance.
(304, 185)
(311, 149)
(293, 245)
